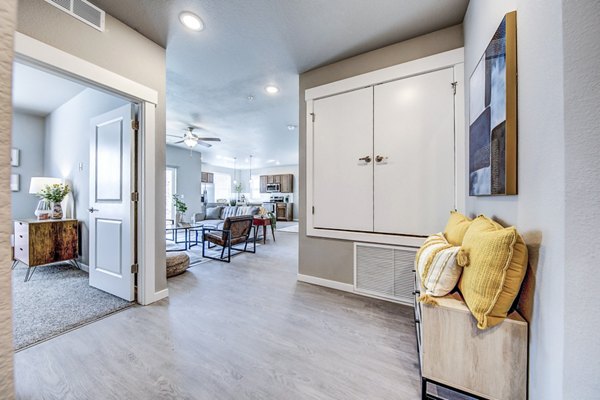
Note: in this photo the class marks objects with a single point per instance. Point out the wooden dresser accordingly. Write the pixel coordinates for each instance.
(44, 242)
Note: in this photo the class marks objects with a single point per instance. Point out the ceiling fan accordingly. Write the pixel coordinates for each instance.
(191, 139)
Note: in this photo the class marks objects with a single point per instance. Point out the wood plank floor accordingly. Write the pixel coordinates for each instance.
(245, 330)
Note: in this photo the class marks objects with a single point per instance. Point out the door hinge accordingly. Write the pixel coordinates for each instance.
(313, 116)
(313, 209)
(135, 268)
(454, 84)
(135, 196)
(135, 124)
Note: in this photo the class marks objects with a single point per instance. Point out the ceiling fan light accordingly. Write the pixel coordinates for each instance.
(190, 141)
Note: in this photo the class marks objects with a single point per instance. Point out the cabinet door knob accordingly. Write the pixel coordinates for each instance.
(379, 158)
(366, 159)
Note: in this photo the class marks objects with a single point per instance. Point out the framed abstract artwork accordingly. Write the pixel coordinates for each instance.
(493, 115)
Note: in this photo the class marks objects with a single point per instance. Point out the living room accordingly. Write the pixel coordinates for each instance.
(250, 329)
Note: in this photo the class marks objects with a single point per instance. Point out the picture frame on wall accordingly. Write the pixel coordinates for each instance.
(493, 115)
(14, 157)
(15, 181)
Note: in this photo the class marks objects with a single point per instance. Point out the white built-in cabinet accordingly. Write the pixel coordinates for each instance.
(382, 155)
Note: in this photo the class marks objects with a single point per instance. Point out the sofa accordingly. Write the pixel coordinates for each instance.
(215, 213)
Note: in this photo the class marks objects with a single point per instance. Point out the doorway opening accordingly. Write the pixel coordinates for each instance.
(75, 143)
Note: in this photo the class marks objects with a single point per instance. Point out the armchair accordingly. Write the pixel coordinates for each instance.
(236, 230)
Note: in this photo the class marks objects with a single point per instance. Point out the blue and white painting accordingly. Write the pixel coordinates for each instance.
(487, 120)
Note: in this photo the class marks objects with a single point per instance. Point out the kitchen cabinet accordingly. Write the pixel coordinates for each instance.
(207, 177)
(390, 148)
(284, 211)
(285, 181)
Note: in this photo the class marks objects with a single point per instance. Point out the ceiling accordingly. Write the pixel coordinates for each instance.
(29, 83)
(247, 45)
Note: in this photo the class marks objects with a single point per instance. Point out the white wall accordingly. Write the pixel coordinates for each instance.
(67, 144)
(189, 167)
(538, 210)
(28, 137)
(8, 9)
(581, 43)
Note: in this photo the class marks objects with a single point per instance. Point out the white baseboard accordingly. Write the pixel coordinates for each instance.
(161, 294)
(346, 287)
(84, 267)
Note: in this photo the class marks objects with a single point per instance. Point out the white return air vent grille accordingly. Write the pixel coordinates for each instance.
(384, 271)
(83, 11)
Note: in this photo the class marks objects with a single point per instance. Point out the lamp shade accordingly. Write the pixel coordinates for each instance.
(40, 182)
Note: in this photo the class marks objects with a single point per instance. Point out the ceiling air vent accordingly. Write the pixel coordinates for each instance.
(82, 10)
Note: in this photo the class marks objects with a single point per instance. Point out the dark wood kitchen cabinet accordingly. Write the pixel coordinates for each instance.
(263, 183)
(284, 211)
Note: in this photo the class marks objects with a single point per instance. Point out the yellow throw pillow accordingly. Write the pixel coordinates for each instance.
(456, 228)
(497, 262)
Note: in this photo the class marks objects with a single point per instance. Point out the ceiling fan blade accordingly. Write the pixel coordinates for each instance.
(209, 139)
(177, 136)
(201, 143)
(181, 141)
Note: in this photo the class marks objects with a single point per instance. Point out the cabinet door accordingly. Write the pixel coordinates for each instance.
(263, 184)
(286, 187)
(342, 183)
(414, 132)
(277, 179)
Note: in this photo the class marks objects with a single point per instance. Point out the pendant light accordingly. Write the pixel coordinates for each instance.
(234, 170)
(250, 180)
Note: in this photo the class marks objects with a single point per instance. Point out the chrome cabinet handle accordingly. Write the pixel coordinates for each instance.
(366, 159)
(92, 209)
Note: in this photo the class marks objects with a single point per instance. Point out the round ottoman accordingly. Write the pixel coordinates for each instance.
(177, 263)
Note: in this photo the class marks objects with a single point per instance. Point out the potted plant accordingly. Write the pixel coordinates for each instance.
(180, 207)
(55, 194)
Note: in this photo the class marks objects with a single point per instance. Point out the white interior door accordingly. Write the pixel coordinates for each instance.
(342, 182)
(110, 225)
(414, 136)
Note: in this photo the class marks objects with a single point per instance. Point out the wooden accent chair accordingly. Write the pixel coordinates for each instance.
(236, 230)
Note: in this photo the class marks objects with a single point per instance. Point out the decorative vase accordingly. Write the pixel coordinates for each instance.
(179, 217)
(57, 212)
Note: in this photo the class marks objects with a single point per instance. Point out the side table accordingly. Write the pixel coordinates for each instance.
(259, 221)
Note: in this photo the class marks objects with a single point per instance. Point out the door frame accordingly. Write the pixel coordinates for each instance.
(36, 53)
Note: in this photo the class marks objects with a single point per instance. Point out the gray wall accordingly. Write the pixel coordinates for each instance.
(67, 144)
(581, 46)
(538, 210)
(327, 258)
(8, 9)
(28, 137)
(121, 50)
(188, 176)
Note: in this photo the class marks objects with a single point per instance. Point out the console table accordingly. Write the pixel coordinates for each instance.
(44, 242)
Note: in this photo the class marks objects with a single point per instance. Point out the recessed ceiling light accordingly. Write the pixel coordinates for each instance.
(250, 98)
(291, 127)
(191, 21)
(271, 89)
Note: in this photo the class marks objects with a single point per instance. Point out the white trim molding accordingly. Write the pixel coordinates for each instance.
(345, 287)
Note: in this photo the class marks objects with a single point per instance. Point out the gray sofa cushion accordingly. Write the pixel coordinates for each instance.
(249, 210)
(213, 213)
(228, 211)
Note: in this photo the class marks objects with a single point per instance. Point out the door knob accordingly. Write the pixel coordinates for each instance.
(366, 159)
(92, 209)
(379, 158)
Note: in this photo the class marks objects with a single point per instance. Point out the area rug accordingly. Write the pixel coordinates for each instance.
(291, 228)
(56, 299)
(195, 253)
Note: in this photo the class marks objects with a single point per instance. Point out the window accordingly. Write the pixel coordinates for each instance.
(171, 190)
(222, 184)
(255, 189)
